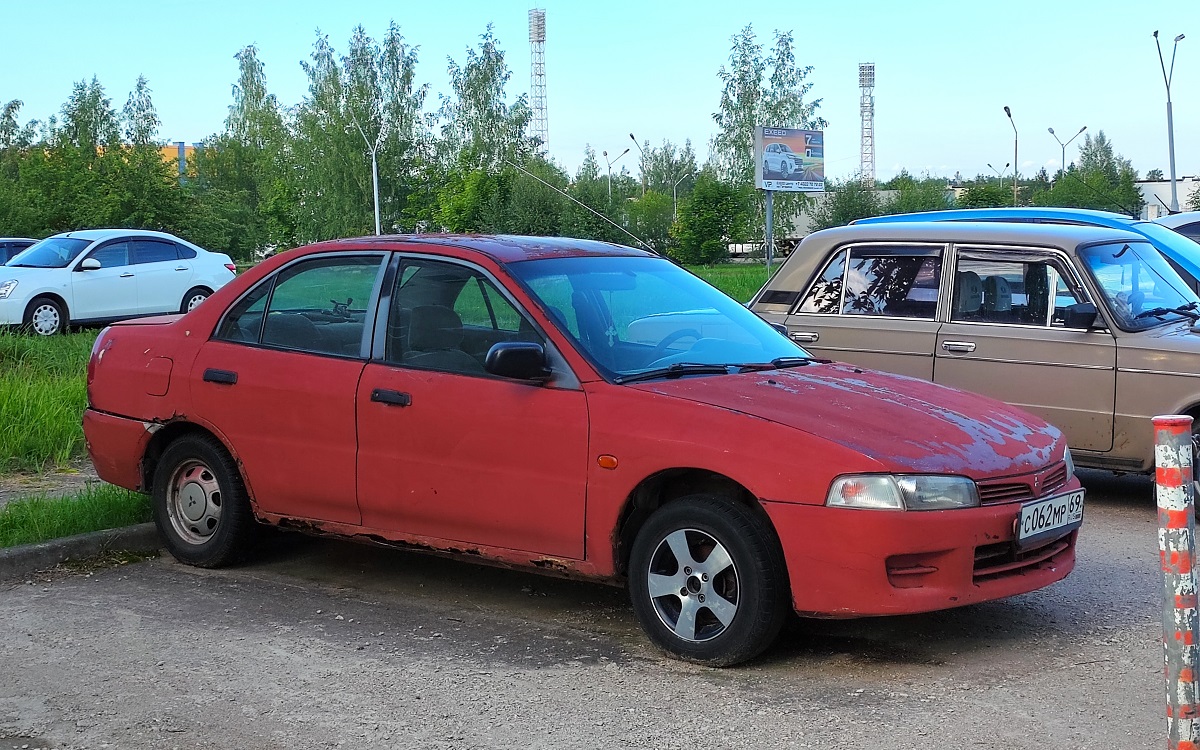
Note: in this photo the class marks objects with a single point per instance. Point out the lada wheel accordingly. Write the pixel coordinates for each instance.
(708, 581)
(45, 317)
(200, 504)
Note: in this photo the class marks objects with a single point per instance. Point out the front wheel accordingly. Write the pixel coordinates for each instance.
(200, 503)
(708, 581)
(45, 317)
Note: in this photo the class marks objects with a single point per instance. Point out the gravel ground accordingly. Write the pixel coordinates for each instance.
(320, 643)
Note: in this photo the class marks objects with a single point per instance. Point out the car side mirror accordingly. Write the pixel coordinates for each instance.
(781, 328)
(519, 360)
(1080, 316)
(89, 264)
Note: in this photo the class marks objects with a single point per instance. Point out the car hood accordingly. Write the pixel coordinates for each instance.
(908, 425)
(24, 272)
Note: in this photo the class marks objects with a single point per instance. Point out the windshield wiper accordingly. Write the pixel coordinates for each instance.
(679, 369)
(779, 363)
(1187, 311)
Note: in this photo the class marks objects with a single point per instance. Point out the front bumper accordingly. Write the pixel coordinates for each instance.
(11, 312)
(861, 563)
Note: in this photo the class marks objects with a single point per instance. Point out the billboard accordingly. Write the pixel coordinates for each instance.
(790, 160)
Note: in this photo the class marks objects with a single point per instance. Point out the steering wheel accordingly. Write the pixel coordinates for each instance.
(660, 349)
(341, 309)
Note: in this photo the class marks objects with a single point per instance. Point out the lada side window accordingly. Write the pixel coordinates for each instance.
(317, 306)
(446, 317)
(1013, 292)
(883, 280)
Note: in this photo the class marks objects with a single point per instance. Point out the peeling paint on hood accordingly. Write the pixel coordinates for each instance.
(907, 424)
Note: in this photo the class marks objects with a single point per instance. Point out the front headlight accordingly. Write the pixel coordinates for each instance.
(7, 287)
(1070, 464)
(902, 492)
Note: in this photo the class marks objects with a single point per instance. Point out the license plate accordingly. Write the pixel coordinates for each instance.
(1045, 518)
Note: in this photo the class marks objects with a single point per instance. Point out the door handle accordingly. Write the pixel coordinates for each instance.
(226, 377)
(126, 276)
(961, 347)
(181, 268)
(805, 337)
(394, 398)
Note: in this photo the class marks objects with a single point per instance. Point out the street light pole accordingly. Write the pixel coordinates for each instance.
(675, 194)
(373, 148)
(1015, 161)
(610, 163)
(1167, 76)
(1063, 167)
(999, 174)
(642, 168)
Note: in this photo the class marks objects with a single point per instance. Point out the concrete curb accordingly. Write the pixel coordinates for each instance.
(19, 561)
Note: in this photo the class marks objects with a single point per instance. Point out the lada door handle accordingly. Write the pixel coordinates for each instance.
(225, 377)
(805, 337)
(394, 398)
(962, 347)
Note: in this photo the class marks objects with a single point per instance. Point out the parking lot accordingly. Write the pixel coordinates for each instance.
(322, 643)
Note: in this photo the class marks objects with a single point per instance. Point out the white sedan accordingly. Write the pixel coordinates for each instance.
(102, 275)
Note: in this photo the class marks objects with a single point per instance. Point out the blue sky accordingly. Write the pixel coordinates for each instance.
(944, 71)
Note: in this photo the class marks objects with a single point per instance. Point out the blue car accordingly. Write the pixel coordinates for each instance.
(1181, 252)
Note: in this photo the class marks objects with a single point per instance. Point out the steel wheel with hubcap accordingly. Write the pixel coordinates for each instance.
(45, 317)
(707, 580)
(192, 299)
(200, 504)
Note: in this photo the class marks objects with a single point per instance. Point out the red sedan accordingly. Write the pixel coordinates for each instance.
(579, 408)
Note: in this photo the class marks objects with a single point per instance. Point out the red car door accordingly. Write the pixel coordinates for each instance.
(278, 381)
(449, 452)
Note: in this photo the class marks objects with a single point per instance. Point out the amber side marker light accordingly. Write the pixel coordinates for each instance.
(607, 462)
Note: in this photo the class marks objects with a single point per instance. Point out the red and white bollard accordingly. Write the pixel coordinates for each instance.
(1177, 551)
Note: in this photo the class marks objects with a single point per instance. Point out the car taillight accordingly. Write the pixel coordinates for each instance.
(232, 268)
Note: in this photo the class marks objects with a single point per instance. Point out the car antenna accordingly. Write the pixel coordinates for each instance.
(1164, 205)
(568, 196)
(1125, 209)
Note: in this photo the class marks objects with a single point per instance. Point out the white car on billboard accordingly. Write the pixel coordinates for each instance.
(102, 275)
(780, 160)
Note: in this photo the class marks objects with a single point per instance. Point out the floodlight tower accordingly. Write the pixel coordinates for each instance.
(866, 107)
(537, 87)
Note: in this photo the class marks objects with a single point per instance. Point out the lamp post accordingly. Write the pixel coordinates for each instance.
(1064, 145)
(373, 149)
(999, 174)
(675, 194)
(642, 168)
(1170, 121)
(610, 163)
(1015, 161)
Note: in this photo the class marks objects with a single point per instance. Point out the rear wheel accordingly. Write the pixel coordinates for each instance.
(200, 503)
(708, 581)
(45, 316)
(193, 298)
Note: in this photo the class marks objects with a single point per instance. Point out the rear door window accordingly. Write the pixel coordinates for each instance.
(878, 280)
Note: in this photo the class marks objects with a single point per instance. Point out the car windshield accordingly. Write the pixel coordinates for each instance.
(53, 252)
(635, 317)
(1138, 285)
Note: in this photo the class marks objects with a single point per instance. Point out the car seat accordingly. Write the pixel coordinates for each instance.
(968, 296)
(435, 334)
(997, 299)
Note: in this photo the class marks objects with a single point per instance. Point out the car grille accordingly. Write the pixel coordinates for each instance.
(1003, 559)
(1022, 488)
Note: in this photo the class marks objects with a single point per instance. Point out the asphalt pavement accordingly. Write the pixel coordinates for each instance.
(323, 643)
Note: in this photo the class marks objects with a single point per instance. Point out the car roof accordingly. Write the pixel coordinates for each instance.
(93, 235)
(1065, 236)
(501, 248)
(1179, 219)
(1053, 213)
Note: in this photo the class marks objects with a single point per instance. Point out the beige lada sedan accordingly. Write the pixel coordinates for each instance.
(1089, 328)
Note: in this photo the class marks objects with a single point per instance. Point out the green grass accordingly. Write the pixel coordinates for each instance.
(96, 507)
(42, 398)
(738, 280)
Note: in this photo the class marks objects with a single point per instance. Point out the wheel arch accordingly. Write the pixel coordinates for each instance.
(664, 487)
(48, 294)
(169, 433)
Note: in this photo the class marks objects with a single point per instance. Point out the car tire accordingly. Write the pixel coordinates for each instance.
(193, 298)
(46, 316)
(742, 572)
(200, 503)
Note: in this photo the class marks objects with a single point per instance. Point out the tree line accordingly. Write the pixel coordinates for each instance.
(278, 176)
